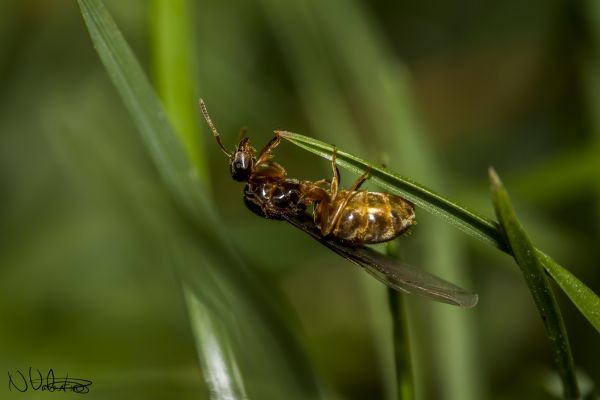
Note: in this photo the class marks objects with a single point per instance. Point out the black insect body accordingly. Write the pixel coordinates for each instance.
(275, 200)
(343, 220)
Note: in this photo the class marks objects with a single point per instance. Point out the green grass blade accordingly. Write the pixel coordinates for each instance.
(247, 319)
(528, 260)
(144, 106)
(219, 364)
(404, 377)
(403, 363)
(468, 221)
(582, 296)
(474, 225)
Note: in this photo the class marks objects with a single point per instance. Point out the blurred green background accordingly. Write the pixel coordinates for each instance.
(437, 90)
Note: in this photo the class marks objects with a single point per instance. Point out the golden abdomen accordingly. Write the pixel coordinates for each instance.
(373, 217)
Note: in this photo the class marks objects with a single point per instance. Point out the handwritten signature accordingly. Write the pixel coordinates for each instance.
(35, 381)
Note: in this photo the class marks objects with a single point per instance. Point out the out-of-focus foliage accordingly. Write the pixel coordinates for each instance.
(87, 286)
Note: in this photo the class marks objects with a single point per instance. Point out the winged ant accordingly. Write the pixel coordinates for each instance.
(342, 220)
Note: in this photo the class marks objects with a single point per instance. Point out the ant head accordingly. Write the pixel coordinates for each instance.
(241, 162)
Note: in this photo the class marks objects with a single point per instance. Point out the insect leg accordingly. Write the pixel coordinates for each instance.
(331, 224)
(335, 181)
(361, 179)
(266, 152)
(314, 193)
(321, 200)
(324, 182)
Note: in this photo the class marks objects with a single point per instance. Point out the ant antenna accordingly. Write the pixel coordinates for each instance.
(212, 128)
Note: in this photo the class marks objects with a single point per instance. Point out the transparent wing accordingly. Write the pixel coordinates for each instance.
(391, 271)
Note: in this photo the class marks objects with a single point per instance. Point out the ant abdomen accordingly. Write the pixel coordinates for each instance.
(370, 217)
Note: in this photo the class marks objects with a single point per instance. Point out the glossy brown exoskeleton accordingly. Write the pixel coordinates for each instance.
(352, 216)
(268, 192)
(343, 220)
(361, 217)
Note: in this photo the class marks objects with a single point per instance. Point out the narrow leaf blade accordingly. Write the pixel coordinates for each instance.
(471, 223)
(533, 271)
(247, 322)
(582, 296)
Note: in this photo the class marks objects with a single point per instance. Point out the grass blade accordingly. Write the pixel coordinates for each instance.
(471, 223)
(528, 260)
(144, 106)
(405, 386)
(402, 355)
(582, 296)
(219, 364)
(247, 321)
